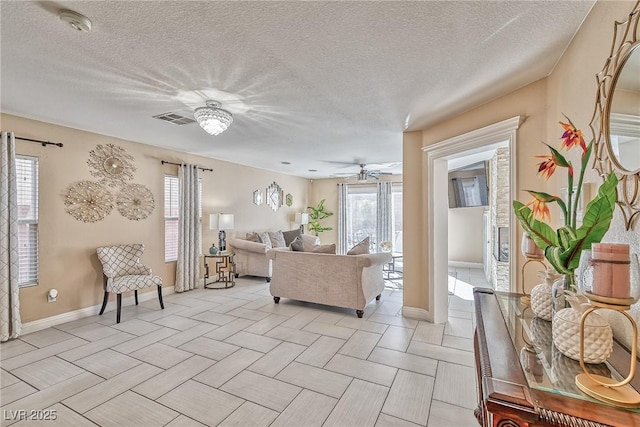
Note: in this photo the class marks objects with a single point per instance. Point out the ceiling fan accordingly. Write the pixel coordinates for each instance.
(364, 174)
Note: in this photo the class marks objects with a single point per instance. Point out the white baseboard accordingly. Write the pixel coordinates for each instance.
(70, 316)
(464, 264)
(417, 313)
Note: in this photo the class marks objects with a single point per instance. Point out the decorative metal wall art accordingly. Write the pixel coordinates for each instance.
(258, 197)
(88, 201)
(289, 199)
(135, 202)
(274, 196)
(111, 164)
(91, 201)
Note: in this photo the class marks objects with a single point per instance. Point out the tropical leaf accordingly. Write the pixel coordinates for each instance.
(540, 232)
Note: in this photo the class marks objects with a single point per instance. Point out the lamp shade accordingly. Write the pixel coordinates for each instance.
(225, 221)
(213, 221)
(302, 218)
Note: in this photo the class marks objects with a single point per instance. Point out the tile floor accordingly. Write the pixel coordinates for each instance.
(233, 357)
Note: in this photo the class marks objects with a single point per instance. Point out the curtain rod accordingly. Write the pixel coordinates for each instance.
(44, 143)
(178, 164)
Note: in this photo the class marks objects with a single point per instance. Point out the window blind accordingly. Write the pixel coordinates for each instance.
(27, 186)
(171, 216)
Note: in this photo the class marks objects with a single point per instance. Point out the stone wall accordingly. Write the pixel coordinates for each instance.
(499, 208)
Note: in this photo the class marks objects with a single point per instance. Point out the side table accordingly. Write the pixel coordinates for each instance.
(389, 270)
(225, 271)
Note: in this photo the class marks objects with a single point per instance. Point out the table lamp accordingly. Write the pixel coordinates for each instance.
(302, 219)
(221, 222)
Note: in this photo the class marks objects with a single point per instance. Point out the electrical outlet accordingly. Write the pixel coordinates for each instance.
(52, 295)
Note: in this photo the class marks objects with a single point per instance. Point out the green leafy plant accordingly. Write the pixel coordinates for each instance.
(316, 214)
(562, 247)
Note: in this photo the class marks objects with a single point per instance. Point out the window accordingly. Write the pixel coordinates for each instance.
(171, 201)
(27, 185)
(172, 216)
(362, 205)
(396, 218)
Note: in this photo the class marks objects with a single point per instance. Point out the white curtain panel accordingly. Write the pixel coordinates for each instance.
(342, 219)
(383, 214)
(10, 323)
(189, 233)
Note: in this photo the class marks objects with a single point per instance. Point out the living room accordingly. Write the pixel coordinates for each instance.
(67, 258)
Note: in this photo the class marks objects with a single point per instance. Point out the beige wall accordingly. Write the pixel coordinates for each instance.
(570, 89)
(67, 246)
(466, 234)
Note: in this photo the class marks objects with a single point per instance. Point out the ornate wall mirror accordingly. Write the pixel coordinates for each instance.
(616, 119)
(274, 196)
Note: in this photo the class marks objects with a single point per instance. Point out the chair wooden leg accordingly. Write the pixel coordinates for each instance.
(135, 294)
(160, 297)
(119, 307)
(104, 301)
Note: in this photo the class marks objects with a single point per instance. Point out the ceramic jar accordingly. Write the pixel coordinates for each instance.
(541, 301)
(598, 338)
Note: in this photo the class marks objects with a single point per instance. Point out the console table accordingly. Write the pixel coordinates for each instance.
(522, 378)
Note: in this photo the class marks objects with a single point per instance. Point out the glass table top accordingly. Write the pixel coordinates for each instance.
(544, 366)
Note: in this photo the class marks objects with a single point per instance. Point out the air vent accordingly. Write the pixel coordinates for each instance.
(174, 118)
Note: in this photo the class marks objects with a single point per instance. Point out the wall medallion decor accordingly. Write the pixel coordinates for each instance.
(88, 201)
(289, 199)
(111, 164)
(258, 197)
(135, 202)
(274, 196)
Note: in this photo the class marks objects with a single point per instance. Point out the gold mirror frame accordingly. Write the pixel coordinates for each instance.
(626, 38)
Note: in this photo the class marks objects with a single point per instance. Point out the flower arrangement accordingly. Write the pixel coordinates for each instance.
(562, 247)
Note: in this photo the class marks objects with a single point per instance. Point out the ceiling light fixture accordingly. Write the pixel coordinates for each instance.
(75, 20)
(213, 119)
(362, 176)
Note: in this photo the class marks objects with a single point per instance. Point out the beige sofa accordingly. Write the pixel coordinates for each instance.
(251, 257)
(350, 281)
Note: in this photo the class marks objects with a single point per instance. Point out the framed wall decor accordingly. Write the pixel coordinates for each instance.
(289, 199)
(258, 197)
(274, 196)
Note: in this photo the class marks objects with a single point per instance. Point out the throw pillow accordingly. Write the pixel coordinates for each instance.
(290, 236)
(277, 239)
(297, 245)
(264, 238)
(324, 249)
(253, 237)
(360, 248)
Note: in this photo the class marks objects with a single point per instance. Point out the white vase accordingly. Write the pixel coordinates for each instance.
(541, 301)
(598, 338)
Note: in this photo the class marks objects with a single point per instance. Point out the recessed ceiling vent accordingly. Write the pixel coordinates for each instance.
(174, 118)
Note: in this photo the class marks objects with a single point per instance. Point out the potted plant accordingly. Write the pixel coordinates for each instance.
(562, 247)
(316, 214)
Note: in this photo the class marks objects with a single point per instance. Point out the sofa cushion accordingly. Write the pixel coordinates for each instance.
(360, 248)
(324, 249)
(297, 244)
(277, 239)
(290, 236)
(253, 237)
(264, 238)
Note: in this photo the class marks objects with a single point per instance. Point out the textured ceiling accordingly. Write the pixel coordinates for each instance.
(311, 83)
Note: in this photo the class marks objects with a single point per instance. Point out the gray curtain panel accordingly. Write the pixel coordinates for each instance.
(188, 266)
(383, 215)
(10, 323)
(342, 219)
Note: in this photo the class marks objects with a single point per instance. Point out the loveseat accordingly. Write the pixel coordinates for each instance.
(251, 257)
(350, 281)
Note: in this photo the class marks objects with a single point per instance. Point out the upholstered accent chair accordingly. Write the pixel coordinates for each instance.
(123, 272)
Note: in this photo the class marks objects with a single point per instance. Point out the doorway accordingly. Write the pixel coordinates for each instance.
(437, 157)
